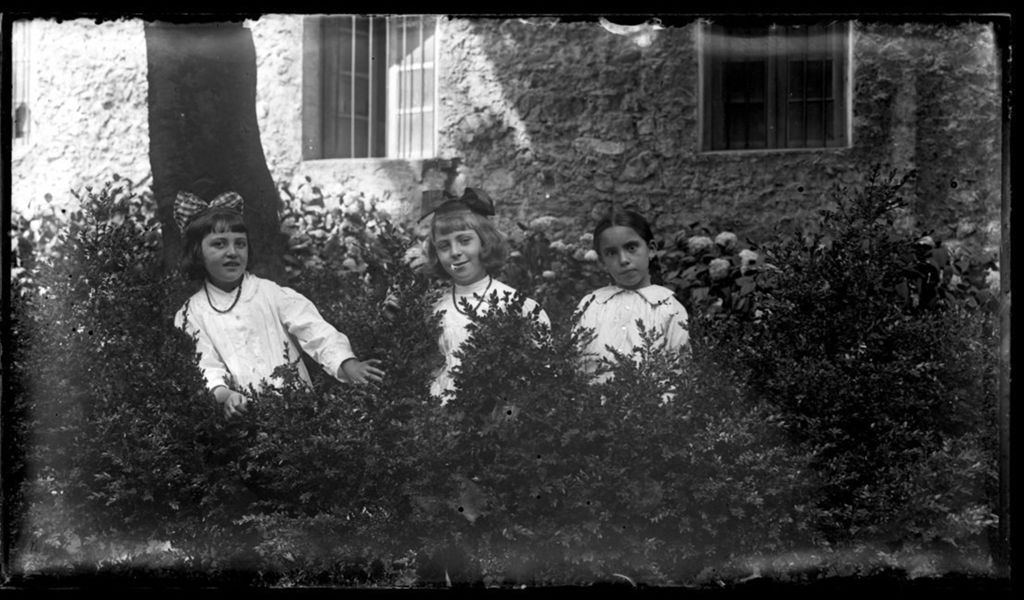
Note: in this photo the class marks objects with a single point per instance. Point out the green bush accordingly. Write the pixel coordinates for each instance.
(823, 399)
(561, 480)
(876, 383)
(123, 441)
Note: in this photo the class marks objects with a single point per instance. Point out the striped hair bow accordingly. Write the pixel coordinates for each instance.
(188, 206)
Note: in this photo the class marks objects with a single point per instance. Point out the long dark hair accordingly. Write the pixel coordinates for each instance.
(636, 222)
(216, 220)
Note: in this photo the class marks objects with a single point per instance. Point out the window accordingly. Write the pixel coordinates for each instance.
(19, 80)
(775, 86)
(376, 80)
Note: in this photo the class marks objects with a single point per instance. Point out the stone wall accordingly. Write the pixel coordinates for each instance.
(565, 118)
(930, 96)
(88, 116)
(279, 92)
(561, 118)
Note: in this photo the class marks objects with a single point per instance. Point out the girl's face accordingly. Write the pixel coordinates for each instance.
(626, 257)
(459, 253)
(225, 257)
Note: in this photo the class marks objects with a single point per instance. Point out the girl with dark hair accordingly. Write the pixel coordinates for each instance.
(625, 247)
(243, 324)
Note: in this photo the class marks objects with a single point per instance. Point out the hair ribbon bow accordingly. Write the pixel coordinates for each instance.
(188, 206)
(475, 200)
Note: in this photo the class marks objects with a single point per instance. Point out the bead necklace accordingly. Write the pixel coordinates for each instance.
(490, 280)
(238, 295)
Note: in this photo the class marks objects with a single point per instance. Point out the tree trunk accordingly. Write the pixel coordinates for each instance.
(203, 133)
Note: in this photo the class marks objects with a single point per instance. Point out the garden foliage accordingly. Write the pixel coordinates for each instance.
(882, 363)
(838, 388)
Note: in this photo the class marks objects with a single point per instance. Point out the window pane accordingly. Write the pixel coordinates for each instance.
(732, 78)
(362, 26)
(405, 90)
(414, 139)
(828, 78)
(815, 80)
(343, 106)
(735, 126)
(830, 133)
(402, 41)
(427, 101)
(362, 96)
(428, 133)
(756, 132)
(744, 81)
(362, 53)
(341, 134)
(344, 44)
(360, 138)
(745, 126)
(796, 80)
(416, 53)
(756, 80)
(795, 125)
(814, 125)
(428, 39)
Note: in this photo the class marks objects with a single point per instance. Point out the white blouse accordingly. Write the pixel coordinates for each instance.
(454, 323)
(243, 346)
(612, 313)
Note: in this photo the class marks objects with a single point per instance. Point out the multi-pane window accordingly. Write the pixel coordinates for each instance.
(775, 86)
(20, 78)
(378, 86)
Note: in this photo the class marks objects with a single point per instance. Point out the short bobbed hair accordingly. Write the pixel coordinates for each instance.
(636, 222)
(216, 220)
(494, 248)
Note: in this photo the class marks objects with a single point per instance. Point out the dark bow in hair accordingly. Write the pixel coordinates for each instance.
(437, 201)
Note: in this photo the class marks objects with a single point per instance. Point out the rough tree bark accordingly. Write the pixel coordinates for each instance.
(204, 136)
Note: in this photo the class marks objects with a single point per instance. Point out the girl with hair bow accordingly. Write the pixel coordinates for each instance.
(465, 248)
(243, 324)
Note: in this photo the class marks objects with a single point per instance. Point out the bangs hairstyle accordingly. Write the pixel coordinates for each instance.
(493, 247)
(217, 220)
(636, 222)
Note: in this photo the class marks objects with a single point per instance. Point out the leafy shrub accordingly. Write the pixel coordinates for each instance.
(555, 273)
(121, 201)
(546, 477)
(873, 383)
(324, 237)
(126, 446)
(123, 439)
(836, 387)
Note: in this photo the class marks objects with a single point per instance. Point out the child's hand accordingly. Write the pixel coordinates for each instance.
(361, 371)
(233, 402)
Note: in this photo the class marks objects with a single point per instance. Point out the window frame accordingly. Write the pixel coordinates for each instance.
(21, 81)
(314, 104)
(771, 51)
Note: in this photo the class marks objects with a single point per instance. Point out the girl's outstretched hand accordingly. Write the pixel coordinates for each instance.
(234, 402)
(361, 371)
